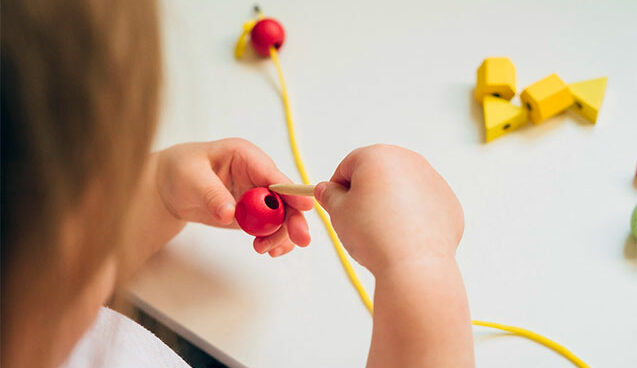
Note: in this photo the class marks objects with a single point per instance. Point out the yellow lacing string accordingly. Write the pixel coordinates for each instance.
(348, 266)
(537, 338)
(306, 180)
(338, 247)
(242, 42)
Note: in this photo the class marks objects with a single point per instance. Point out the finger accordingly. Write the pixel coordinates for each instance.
(232, 225)
(330, 195)
(298, 202)
(345, 170)
(274, 176)
(250, 159)
(281, 249)
(263, 172)
(217, 199)
(263, 244)
(296, 224)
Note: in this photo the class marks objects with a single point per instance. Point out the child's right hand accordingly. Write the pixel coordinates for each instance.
(391, 208)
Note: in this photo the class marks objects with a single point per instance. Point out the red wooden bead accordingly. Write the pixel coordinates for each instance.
(260, 212)
(267, 32)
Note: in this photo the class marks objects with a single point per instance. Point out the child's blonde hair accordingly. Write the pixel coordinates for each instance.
(80, 91)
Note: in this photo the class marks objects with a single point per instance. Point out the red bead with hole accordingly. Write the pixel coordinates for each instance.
(266, 33)
(260, 212)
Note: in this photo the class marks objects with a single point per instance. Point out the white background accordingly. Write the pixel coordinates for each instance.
(547, 207)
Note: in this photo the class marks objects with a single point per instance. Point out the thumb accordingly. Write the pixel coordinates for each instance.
(218, 200)
(329, 195)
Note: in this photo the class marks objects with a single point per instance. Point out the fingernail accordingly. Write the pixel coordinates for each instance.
(275, 253)
(264, 246)
(319, 190)
(306, 243)
(225, 212)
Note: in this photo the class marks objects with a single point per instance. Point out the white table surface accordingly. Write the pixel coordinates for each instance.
(547, 207)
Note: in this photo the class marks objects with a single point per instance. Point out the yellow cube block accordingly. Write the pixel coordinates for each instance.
(588, 97)
(501, 117)
(495, 77)
(545, 98)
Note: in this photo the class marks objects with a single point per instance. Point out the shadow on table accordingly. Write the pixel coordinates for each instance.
(486, 336)
(179, 287)
(256, 62)
(178, 282)
(630, 250)
(475, 110)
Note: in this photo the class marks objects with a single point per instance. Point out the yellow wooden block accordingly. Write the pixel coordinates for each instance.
(546, 98)
(495, 77)
(501, 117)
(588, 97)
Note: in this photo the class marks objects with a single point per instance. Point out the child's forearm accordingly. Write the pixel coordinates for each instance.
(148, 225)
(421, 317)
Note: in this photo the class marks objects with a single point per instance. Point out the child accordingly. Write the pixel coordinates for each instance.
(83, 205)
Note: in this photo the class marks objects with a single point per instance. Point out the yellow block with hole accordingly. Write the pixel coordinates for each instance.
(588, 97)
(545, 98)
(501, 117)
(495, 77)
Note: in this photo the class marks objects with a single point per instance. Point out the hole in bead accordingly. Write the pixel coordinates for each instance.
(277, 45)
(528, 106)
(495, 94)
(579, 105)
(507, 126)
(271, 202)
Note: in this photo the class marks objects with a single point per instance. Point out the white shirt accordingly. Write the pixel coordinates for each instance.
(116, 341)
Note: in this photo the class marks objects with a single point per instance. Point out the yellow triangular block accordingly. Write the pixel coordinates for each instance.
(588, 97)
(501, 117)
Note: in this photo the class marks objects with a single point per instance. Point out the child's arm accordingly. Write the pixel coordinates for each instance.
(200, 182)
(397, 217)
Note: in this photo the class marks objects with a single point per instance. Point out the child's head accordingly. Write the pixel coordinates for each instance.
(80, 91)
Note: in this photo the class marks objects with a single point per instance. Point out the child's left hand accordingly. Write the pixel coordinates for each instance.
(200, 182)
